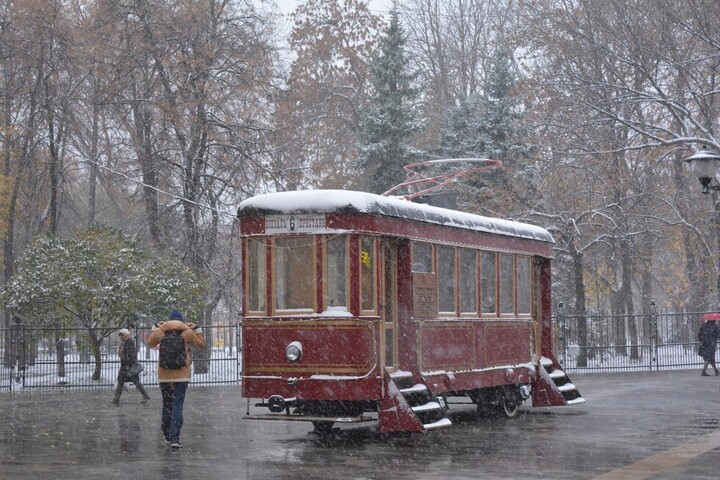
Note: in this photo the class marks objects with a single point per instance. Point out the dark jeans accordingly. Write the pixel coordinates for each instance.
(173, 396)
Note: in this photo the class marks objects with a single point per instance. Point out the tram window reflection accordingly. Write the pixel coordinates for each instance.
(446, 279)
(256, 274)
(389, 347)
(422, 258)
(488, 285)
(524, 290)
(336, 271)
(507, 284)
(468, 281)
(367, 273)
(294, 274)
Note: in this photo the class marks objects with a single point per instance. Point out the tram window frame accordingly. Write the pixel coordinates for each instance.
(368, 276)
(422, 257)
(488, 284)
(256, 274)
(506, 284)
(336, 273)
(469, 281)
(305, 277)
(523, 285)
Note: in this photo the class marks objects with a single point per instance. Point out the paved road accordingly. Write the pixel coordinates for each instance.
(634, 426)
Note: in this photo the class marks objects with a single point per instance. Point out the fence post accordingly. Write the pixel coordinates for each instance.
(654, 336)
(562, 327)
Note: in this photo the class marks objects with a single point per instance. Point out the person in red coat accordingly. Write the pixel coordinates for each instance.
(174, 383)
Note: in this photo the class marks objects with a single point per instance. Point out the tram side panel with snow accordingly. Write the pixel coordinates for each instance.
(359, 307)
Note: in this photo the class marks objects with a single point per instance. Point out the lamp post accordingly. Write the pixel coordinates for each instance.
(705, 165)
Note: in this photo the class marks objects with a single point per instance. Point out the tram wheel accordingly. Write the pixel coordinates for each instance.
(322, 428)
(507, 407)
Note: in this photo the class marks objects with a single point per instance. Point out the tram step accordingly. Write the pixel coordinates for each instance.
(415, 389)
(562, 383)
(400, 374)
(429, 406)
(443, 422)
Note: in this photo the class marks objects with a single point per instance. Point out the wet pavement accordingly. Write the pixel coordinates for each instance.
(661, 425)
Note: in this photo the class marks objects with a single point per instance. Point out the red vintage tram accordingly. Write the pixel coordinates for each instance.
(359, 307)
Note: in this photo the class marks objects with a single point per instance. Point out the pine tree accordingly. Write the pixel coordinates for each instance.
(389, 121)
(489, 125)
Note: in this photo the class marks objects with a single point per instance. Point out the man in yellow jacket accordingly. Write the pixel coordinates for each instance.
(174, 381)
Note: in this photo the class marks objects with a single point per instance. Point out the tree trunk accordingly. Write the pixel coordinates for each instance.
(60, 351)
(626, 289)
(95, 347)
(201, 358)
(716, 203)
(580, 305)
(92, 180)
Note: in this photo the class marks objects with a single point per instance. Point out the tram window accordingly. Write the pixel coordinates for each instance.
(367, 273)
(294, 273)
(468, 281)
(524, 296)
(335, 272)
(488, 285)
(446, 279)
(422, 258)
(256, 275)
(507, 284)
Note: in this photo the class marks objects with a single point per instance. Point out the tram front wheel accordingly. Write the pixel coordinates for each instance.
(507, 407)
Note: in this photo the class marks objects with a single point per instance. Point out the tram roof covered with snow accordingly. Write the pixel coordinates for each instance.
(344, 201)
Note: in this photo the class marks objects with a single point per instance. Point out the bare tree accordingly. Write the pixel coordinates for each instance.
(643, 74)
(319, 111)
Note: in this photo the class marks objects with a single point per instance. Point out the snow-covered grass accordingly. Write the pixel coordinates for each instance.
(627, 358)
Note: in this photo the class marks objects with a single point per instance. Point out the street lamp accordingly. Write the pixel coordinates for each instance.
(705, 164)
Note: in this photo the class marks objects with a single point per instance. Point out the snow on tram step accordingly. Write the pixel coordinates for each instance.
(563, 383)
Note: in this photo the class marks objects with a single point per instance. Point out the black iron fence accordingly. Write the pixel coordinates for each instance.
(655, 340)
(53, 358)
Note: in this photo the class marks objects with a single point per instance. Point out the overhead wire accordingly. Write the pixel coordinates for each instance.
(159, 190)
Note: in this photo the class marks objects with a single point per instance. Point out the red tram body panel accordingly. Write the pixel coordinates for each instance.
(358, 307)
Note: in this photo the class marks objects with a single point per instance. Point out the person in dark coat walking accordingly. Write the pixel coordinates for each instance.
(129, 367)
(708, 336)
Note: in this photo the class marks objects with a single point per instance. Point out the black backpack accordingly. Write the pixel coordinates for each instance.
(172, 350)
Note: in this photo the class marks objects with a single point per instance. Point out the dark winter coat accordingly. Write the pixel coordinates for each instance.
(708, 336)
(128, 357)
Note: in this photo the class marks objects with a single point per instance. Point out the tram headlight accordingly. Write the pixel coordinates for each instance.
(293, 352)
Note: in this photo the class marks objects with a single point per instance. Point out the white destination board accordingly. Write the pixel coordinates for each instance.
(294, 223)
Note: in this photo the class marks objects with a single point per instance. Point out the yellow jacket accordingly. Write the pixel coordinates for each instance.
(192, 339)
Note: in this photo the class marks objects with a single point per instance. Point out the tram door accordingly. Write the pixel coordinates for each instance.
(388, 300)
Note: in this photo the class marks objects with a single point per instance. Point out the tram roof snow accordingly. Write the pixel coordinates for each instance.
(345, 201)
